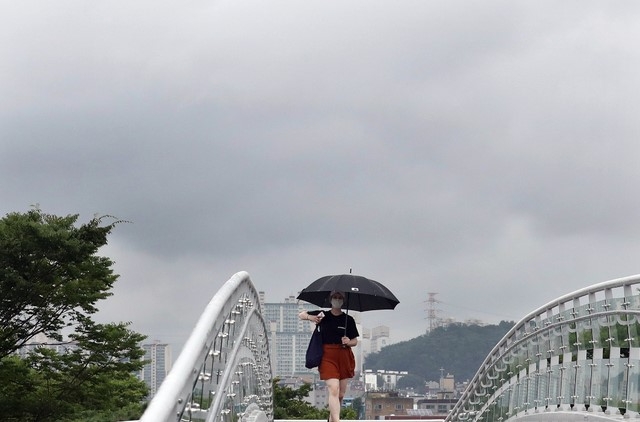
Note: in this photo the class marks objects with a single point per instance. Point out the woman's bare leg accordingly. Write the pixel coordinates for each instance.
(333, 385)
(343, 389)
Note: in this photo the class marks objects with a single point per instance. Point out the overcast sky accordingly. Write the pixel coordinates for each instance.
(486, 151)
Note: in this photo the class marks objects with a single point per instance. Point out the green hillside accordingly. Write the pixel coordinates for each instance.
(458, 348)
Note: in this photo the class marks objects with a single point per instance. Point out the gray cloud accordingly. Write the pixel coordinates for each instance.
(484, 151)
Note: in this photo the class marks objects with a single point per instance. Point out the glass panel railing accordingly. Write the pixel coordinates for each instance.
(556, 341)
(566, 315)
(633, 389)
(565, 385)
(619, 303)
(532, 393)
(617, 367)
(580, 379)
(634, 331)
(503, 402)
(599, 380)
(553, 391)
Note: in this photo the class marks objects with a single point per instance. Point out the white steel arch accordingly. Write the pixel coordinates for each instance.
(575, 358)
(223, 373)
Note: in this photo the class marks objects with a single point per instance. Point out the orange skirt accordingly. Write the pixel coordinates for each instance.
(337, 362)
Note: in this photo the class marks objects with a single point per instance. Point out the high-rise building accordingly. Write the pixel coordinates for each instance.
(158, 356)
(374, 339)
(379, 338)
(288, 335)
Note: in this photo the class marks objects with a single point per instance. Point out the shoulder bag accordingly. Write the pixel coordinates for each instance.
(314, 350)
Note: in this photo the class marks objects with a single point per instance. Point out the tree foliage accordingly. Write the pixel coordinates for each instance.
(290, 404)
(51, 278)
(50, 275)
(458, 348)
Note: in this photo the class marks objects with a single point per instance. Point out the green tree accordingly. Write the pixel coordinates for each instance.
(49, 274)
(51, 278)
(358, 407)
(290, 404)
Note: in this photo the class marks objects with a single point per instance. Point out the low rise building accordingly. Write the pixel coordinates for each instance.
(437, 406)
(378, 405)
(382, 380)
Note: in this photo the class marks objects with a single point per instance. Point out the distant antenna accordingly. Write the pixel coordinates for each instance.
(432, 312)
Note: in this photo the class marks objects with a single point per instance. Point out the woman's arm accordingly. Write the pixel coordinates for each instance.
(309, 317)
(304, 315)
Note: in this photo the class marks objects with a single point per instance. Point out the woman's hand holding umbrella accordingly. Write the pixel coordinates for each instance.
(347, 342)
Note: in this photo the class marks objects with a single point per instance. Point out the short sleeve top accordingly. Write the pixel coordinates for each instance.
(333, 327)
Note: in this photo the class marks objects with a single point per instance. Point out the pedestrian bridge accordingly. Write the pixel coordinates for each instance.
(575, 358)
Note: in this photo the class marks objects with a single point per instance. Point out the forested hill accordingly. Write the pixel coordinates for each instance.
(459, 349)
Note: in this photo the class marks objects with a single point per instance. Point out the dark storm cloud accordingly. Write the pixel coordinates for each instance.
(484, 151)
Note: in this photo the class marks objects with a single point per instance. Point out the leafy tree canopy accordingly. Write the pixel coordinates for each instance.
(51, 278)
(290, 404)
(50, 275)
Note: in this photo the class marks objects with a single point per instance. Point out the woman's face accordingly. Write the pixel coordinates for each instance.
(336, 301)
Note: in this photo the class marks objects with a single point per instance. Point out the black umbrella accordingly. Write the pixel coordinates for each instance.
(361, 293)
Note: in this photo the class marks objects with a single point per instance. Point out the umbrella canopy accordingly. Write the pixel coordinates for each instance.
(361, 293)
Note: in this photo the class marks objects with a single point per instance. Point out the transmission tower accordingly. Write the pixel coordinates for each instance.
(432, 311)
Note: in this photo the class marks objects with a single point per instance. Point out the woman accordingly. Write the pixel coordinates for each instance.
(339, 335)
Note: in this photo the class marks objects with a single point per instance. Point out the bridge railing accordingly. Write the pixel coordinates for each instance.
(578, 353)
(223, 372)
